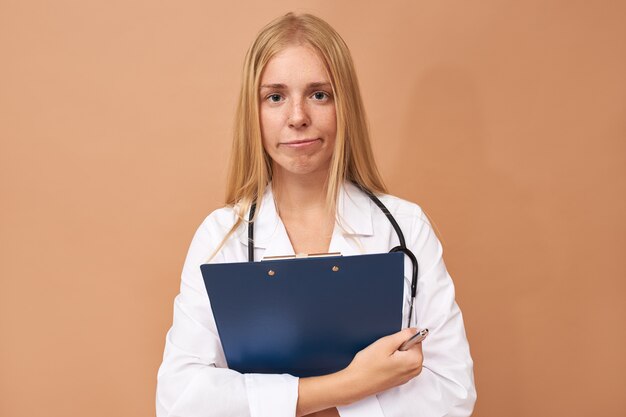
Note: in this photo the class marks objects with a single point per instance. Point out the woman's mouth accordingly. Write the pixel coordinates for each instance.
(302, 143)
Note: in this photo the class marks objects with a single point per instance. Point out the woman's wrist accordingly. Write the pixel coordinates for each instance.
(327, 391)
(349, 386)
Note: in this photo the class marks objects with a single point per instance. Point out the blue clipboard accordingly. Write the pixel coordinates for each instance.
(305, 316)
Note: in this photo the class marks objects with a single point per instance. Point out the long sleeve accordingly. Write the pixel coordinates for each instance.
(193, 379)
(445, 386)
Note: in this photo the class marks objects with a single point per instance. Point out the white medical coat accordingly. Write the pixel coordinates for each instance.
(194, 380)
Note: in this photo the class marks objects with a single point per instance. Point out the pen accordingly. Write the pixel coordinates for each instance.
(413, 340)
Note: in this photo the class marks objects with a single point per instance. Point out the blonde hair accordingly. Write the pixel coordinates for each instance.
(353, 160)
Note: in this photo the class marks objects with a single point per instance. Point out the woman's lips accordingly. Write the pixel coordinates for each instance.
(301, 143)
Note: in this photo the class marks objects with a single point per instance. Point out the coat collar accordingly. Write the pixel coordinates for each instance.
(354, 218)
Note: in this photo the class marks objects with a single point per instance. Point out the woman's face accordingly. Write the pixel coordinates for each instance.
(297, 112)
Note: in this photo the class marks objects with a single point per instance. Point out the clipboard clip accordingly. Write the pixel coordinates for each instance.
(301, 255)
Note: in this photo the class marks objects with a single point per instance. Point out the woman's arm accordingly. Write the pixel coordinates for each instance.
(445, 387)
(376, 368)
(193, 379)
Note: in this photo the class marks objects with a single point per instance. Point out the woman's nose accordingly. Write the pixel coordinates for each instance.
(298, 116)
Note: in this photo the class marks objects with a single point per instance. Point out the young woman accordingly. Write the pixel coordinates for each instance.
(301, 152)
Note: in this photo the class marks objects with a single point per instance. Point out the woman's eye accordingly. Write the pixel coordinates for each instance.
(320, 95)
(274, 98)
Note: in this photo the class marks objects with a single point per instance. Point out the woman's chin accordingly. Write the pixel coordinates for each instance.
(302, 167)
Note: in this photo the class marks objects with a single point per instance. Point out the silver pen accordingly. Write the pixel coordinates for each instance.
(415, 339)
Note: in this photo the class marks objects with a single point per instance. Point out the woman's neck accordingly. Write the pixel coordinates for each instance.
(301, 204)
(299, 193)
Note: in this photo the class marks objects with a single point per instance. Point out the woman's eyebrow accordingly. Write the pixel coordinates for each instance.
(279, 86)
(274, 86)
(319, 84)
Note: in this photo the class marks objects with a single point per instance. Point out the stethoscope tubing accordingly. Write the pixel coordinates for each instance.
(400, 248)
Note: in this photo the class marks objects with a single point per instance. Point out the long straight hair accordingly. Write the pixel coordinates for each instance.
(250, 166)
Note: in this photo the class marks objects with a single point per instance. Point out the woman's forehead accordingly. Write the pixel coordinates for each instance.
(296, 64)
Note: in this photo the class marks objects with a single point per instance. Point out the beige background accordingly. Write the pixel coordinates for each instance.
(505, 120)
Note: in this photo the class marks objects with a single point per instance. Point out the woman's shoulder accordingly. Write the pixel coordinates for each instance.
(415, 224)
(403, 209)
(220, 220)
(406, 213)
(210, 235)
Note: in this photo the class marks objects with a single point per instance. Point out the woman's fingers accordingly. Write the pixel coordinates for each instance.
(381, 365)
(411, 359)
(392, 342)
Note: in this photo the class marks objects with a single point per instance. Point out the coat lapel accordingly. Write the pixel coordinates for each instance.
(354, 219)
(270, 234)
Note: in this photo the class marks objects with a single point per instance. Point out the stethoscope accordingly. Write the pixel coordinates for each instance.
(400, 248)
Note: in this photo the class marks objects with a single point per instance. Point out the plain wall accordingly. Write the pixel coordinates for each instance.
(504, 120)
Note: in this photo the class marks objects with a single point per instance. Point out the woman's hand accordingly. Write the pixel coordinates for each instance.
(381, 365)
(376, 368)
